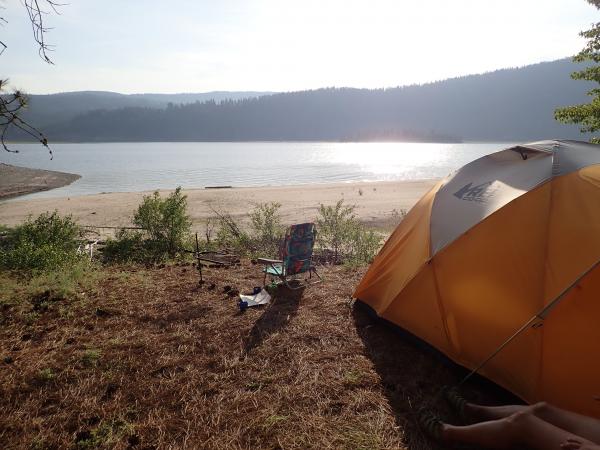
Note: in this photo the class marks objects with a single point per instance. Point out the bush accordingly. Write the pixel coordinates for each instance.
(266, 228)
(363, 245)
(127, 246)
(334, 226)
(165, 221)
(340, 232)
(262, 238)
(165, 231)
(231, 236)
(48, 242)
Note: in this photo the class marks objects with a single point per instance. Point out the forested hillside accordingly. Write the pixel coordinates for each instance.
(48, 110)
(505, 105)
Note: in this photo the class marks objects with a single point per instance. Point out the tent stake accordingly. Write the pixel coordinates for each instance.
(198, 262)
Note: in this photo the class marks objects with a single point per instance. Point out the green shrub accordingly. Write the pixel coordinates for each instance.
(165, 231)
(231, 236)
(262, 237)
(165, 222)
(334, 226)
(127, 246)
(363, 245)
(48, 242)
(266, 228)
(339, 231)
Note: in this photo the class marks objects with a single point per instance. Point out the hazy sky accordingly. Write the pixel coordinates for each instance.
(282, 45)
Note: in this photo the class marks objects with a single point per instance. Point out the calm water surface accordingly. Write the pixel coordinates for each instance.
(121, 167)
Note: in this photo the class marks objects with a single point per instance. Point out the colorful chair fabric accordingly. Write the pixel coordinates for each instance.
(295, 255)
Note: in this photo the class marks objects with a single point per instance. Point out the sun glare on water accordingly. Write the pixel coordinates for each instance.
(390, 160)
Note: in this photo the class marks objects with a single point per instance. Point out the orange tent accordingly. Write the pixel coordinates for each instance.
(485, 251)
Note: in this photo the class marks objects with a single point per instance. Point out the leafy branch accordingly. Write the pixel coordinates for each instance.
(587, 115)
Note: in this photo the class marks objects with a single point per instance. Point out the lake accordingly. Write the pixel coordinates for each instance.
(122, 167)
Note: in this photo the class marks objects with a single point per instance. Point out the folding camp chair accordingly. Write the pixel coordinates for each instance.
(295, 254)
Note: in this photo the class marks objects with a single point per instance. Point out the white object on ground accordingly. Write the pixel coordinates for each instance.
(262, 298)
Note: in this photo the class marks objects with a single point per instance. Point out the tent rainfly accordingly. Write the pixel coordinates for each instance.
(510, 237)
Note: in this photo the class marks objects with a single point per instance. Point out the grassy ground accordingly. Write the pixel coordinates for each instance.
(145, 358)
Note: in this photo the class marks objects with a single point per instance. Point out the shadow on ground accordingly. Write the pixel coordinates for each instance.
(276, 316)
(412, 376)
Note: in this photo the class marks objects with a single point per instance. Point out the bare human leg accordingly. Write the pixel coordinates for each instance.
(519, 429)
(583, 426)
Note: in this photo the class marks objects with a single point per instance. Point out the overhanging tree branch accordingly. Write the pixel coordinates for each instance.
(36, 15)
(13, 103)
(586, 115)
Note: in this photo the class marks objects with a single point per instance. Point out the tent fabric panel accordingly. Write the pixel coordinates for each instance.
(481, 188)
(490, 283)
(570, 156)
(574, 229)
(570, 367)
(419, 300)
(400, 259)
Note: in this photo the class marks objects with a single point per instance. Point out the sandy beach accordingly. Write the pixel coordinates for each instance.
(378, 203)
(16, 181)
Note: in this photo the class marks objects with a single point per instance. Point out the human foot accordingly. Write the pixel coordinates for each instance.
(431, 425)
(456, 400)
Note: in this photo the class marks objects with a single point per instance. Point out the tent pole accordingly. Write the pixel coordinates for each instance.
(538, 318)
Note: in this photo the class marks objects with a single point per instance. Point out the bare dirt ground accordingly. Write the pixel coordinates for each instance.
(16, 181)
(147, 358)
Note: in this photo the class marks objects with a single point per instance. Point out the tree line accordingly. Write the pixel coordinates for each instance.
(505, 105)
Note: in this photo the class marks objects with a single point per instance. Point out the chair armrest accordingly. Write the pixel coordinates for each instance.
(268, 261)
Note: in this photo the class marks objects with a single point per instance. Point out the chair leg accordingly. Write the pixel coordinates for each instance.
(312, 269)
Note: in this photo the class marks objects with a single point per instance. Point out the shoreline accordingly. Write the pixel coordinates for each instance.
(16, 181)
(378, 203)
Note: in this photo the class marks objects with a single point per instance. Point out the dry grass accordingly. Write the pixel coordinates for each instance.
(148, 359)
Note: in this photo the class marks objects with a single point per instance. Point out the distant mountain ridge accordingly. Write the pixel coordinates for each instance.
(504, 105)
(48, 109)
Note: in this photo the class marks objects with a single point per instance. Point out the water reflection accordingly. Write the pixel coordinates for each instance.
(114, 167)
